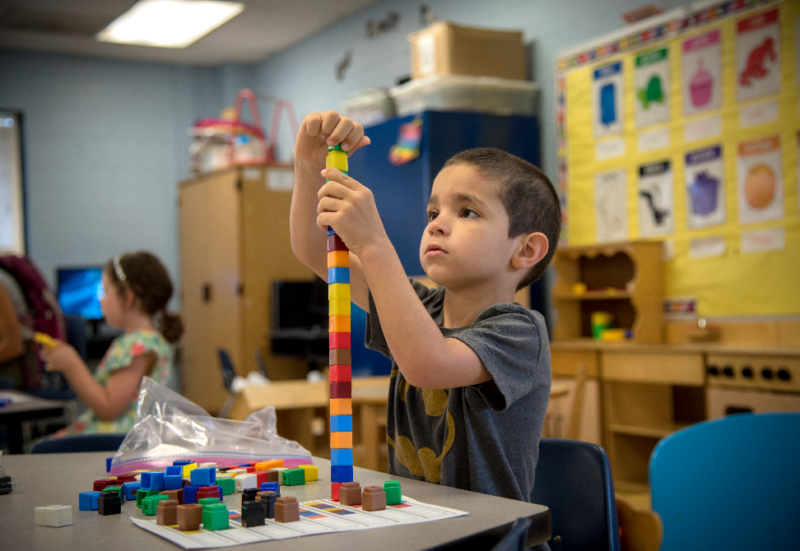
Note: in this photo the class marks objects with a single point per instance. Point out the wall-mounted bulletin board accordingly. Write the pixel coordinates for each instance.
(686, 129)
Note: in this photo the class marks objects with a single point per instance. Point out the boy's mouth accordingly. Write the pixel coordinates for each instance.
(434, 250)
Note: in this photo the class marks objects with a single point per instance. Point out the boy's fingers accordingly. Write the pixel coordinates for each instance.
(313, 123)
(329, 121)
(361, 143)
(336, 175)
(344, 128)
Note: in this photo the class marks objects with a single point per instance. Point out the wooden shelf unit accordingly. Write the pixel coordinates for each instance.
(625, 279)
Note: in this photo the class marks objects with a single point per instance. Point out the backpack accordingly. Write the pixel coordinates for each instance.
(44, 315)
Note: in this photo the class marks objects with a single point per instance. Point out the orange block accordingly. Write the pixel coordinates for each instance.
(338, 259)
(340, 440)
(341, 406)
(269, 464)
(339, 324)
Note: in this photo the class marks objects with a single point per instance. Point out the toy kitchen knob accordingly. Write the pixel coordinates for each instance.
(766, 373)
(784, 374)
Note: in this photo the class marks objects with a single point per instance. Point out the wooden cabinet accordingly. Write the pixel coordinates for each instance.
(625, 279)
(234, 242)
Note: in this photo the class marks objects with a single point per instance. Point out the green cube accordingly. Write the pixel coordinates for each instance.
(150, 504)
(294, 477)
(393, 494)
(215, 516)
(228, 485)
(208, 501)
(142, 494)
(117, 489)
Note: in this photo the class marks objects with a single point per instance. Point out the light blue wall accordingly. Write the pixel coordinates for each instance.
(305, 73)
(106, 141)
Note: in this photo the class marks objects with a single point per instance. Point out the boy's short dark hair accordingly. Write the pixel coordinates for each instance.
(527, 194)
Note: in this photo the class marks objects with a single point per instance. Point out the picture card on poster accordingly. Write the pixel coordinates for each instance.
(758, 50)
(611, 206)
(702, 73)
(761, 241)
(707, 247)
(760, 180)
(608, 93)
(656, 204)
(651, 79)
(705, 187)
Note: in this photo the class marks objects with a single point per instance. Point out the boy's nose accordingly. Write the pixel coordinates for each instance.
(439, 225)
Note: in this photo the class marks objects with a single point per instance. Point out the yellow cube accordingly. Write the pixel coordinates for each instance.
(336, 159)
(341, 406)
(339, 324)
(338, 259)
(339, 307)
(312, 472)
(339, 291)
(187, 470)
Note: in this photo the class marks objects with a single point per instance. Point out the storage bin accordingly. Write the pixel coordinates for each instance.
(497, 96)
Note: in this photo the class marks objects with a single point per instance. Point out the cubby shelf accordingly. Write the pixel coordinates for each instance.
(625, 279)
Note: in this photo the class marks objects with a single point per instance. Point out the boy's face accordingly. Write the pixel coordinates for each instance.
(466, 241)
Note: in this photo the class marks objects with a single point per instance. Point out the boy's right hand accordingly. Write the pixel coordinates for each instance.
(320, 130)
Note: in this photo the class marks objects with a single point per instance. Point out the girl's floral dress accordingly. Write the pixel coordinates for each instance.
(119, 355)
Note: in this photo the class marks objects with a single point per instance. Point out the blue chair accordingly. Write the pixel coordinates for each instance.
(80, 443)
(730, 483)
(573, 479)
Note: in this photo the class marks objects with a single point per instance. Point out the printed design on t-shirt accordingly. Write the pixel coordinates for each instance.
(423, 462)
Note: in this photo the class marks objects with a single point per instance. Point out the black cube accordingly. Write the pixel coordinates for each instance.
(109, 504)
(253, 514)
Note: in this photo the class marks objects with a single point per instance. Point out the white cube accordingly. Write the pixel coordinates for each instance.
(244, 481)
(237, 472)
(53, 515)
(280, 474)
(206, 465)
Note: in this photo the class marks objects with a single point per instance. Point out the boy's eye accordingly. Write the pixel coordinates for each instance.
(469, 213)
(432, 214)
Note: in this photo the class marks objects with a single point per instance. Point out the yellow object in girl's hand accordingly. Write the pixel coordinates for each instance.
(45, 340)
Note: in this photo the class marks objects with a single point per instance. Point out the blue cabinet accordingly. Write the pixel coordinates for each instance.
(402, 192)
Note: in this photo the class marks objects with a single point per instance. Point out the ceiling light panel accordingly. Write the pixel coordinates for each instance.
(169, 23)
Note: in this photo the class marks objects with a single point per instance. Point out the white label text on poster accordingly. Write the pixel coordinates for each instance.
(760, 241)
(656, 204)
(653, 140)
(607, 96)
(760, 180)
(758, 56)
(651, 80)
(702, 129)
(705, 187)
(611, 206)
(608, 149)
(702, 73)
(707, 247)
(761, 112)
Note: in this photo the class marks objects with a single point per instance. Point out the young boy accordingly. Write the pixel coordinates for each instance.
(471, 369)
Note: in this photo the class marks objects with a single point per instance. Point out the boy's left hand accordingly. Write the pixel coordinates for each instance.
(349, 208)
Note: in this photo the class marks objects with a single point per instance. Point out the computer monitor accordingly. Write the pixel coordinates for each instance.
(79, 291)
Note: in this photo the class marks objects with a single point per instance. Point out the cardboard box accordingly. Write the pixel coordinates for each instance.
(447, 49)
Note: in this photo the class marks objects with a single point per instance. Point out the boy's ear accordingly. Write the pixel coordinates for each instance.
(532, 248)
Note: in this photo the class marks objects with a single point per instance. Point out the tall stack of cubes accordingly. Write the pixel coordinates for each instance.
(339, 343)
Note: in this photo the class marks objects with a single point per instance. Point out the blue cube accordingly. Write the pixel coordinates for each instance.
(341, 423)
(271, 487)
(205, 476)
(342, 457)
(182, 462)
(341, 473)
(338, 275)
(152, 481)
(129, 490)
(174, 470)
(173, 482)
(108, 464)
(87, 501)
(190, 494)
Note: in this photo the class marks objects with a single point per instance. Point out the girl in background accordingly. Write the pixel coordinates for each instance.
(137, 289)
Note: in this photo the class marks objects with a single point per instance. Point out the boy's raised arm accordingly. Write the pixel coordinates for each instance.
(318, 131)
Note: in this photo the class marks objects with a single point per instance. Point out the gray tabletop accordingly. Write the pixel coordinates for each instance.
(57, 479)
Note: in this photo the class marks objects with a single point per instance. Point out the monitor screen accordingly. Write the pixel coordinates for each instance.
(79, 291)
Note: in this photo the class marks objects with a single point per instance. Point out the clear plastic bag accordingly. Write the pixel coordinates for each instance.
(170, 427)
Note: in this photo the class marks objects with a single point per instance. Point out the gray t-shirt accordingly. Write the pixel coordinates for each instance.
(485, 437)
